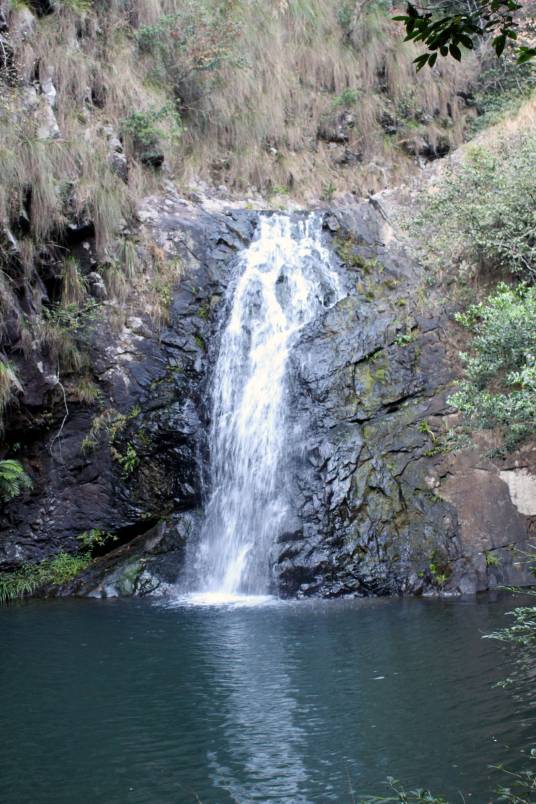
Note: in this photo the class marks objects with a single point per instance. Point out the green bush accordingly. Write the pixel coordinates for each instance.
(32, 578)
(146, 130)
(13, 479)
(502, 89)
(180, 47)
(483, 211)
(499, 388)
(348, 97)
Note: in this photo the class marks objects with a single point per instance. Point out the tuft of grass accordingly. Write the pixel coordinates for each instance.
(74, 290)
(31, 579)
(9, 385)
(84, 389)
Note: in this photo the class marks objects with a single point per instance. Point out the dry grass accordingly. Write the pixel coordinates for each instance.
(290, 71)
(9, 386)
(260, 125)
(254, 121)
(74, 290)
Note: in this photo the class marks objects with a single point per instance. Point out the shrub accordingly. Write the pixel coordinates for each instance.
(129, 460)
(196, 39)
(346, 98)
(503, 87)
(146, 130)
(483, 210)
(499, 389)
(13, 479)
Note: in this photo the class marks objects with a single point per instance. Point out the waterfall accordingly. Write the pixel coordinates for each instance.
(285, 278)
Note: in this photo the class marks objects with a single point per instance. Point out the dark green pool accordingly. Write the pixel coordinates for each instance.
(125, 701)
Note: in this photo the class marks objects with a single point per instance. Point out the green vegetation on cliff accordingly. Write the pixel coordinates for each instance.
(476, 225)
(13, 480)
(33, 578)
(499, 388)
(481, 213)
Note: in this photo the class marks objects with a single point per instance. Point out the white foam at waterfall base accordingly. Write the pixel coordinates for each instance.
(285, 279)
(225, 600)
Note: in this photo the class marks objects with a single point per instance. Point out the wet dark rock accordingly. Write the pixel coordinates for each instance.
(373, 521)
(135, 455)
(377, 504)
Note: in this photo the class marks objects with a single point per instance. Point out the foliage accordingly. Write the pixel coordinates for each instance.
(483, 211)
(13, 479)
(32, 578)
(348, 97)
(398, 794)
(147, 129)
(74, 290)
(522, 786)
(64, 331)
(83, 389)
(404, 339)
(491, 559)
(129, 460)
(328, 191)
(499, 389)
(112, 425)
(523, 631)
(445, 33)
(503, 87)
(94, 540)
(197, 38)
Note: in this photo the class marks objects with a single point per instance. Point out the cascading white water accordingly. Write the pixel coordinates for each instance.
(285, 279)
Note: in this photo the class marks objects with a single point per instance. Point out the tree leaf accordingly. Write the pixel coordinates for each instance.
(455, 52)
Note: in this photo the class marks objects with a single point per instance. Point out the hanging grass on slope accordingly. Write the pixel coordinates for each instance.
(9, 385)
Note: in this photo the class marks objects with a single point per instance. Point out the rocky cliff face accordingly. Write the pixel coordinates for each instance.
(134, 457)
(380, 504)
(383, 503)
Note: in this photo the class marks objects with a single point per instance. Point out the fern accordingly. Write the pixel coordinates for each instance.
(13, 480)
(32, 578)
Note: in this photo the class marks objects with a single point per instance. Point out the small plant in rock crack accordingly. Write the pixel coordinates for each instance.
(129, 460)
(492, 559)
(348, 97)
(404, 339)
(94, 540)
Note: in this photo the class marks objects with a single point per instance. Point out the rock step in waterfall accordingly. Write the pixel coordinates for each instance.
(284, 279)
